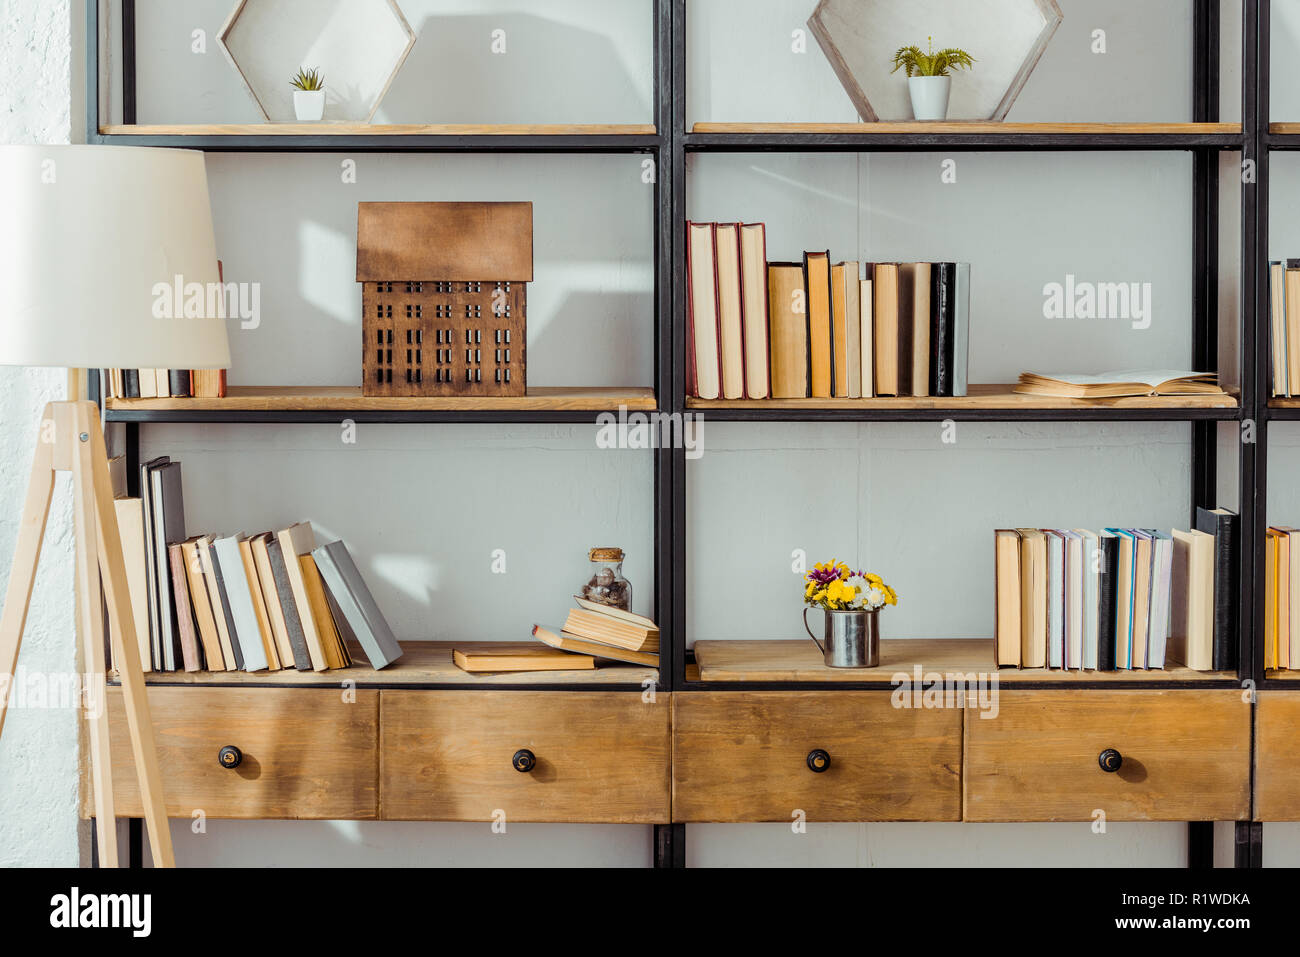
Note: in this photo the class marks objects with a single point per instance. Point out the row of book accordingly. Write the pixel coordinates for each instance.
(1281, 601)
(1284, 327)
(1117, 599)
(164, 383)
(265, 602)
(818, 329)
(591, 632)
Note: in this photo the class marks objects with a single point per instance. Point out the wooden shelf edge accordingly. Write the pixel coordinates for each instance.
(781, 660)
(349, 398)
(973, 126)
(980, 397)
(366, 129)
(423, 663)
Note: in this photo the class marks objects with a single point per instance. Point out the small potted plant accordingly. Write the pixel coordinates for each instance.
(851, 602)
(308, 95)
(927, 77)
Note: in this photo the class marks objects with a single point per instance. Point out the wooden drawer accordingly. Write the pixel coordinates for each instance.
(743, 756)
(1186, 757)
(307, 754)
(600, 757)
(1277, 756)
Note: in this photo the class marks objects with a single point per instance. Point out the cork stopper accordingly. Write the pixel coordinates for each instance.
(605, 555)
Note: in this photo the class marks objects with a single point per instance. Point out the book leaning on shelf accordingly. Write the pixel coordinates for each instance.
(265, 602)
(1118, 598)
(591, 632)
(817, 328)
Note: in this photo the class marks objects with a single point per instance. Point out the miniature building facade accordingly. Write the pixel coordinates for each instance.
(444, 297)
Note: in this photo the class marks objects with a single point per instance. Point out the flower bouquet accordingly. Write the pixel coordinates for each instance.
(836, 587)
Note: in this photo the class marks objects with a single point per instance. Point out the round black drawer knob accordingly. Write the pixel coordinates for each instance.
(1110, 760)
(818, 760)
(230, 756)
(524, 761)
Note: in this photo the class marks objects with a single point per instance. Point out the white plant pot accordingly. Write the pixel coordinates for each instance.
(930, 96)
(309, 105)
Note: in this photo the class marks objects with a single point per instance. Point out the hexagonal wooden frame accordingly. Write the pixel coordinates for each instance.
(1051, 16)
(374, 108)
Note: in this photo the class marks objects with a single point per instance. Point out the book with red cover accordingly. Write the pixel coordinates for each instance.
(703, 354)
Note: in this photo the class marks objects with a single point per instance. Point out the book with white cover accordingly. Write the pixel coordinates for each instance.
(248, 630)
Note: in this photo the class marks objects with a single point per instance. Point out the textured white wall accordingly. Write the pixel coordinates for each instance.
(38, 753)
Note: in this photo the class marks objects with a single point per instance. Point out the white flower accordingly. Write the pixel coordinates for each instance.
(875, 598)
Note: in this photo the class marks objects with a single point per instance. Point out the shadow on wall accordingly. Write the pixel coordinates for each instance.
(594, 339)
(453, 74)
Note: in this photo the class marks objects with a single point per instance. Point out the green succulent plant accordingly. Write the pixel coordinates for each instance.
(308, 80)
(918, 63)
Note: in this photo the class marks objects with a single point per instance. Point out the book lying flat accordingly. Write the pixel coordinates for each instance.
(581, 646)
(516, 657)
(1128, 382)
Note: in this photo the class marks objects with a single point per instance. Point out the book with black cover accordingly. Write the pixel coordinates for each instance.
(178, 381)
(131, 383)
(167, 512)
(1107, 600)
(284, 589)
(224, 610)
(1222, 524)
(942, 327)
(150, 564)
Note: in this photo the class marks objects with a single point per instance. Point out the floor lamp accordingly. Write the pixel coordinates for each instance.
(96, 245)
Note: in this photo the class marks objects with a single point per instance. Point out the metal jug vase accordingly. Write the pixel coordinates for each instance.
(852, 638)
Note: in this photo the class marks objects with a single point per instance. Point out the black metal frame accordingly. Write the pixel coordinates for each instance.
(670, 145)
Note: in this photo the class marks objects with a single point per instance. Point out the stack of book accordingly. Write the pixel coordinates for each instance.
(238, 603)
(1281, 604)
(590, 632)
(1284, 327)
(818, 329)
(1118, 599)
(164, 383)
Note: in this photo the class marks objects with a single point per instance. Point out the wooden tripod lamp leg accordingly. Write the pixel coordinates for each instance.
(22, 574)
(94, 667)
(92, 469)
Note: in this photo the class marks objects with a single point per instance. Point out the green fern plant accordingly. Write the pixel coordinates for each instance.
(918, 63)
(308, 80)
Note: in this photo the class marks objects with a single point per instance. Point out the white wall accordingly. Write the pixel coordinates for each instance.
(439, 499)
(38, 752)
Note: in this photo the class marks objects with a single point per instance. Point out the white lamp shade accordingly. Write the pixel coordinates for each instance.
(92, 242)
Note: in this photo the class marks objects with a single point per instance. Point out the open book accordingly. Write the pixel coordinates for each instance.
(1108, 385)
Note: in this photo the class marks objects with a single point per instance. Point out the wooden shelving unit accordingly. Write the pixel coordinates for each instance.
(744, 669)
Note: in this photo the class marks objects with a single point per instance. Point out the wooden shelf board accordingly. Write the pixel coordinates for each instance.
(305, 398)
(980, 397)
(973, 126)
(799, 660)
(1284, 128)
(367, 129)
(1287, 675)
(422, 662)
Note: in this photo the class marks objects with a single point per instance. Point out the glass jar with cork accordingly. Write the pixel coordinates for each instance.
(604, 583)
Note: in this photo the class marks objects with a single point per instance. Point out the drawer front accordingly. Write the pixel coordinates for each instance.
(600, 757)
(306, 753)
(744, 756)
(1185, 757)
(1277, 756)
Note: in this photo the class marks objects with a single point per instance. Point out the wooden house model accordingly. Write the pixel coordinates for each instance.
(443, 297)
